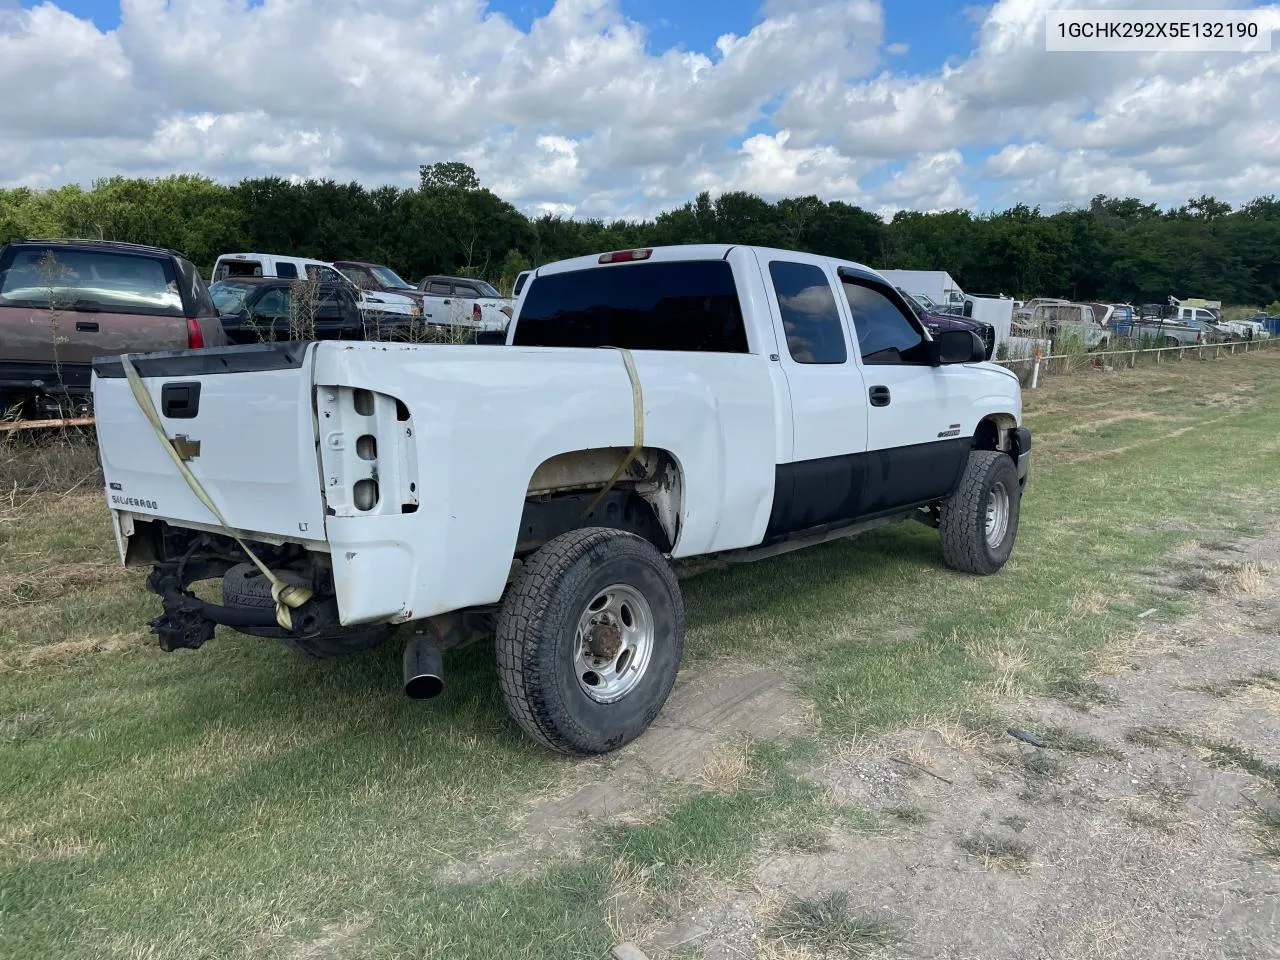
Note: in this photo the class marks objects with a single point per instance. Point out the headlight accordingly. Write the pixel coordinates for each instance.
(415, 311)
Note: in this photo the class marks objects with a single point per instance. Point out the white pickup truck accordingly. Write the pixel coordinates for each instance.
(648, 406)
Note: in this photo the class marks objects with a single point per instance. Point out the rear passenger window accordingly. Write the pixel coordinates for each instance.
(689, 305)
(885, 335)
(437, 289)
(810, 318)
(287, 271)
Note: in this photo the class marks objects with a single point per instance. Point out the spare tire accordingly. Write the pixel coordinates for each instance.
(245, 586)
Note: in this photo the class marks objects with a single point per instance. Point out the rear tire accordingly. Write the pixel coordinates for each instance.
(979, 521)
(589, 639)
(245, 586)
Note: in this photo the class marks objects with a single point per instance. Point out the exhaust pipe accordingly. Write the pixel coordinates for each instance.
(423, 668)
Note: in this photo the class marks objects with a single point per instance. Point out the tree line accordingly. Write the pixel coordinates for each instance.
(1116, 249)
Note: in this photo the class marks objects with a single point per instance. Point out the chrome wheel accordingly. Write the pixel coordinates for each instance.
(997, 514)
(613, 644)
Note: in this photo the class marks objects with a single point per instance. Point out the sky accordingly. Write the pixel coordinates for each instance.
(623, 108)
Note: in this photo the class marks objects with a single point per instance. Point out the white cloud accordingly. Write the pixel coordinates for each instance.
(929, 182)
(579, 114)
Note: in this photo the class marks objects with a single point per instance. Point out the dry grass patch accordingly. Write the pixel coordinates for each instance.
(729, 768)
(1004, 853)
(53, 580)
(66, 652)
(826, 926)
(334, 941)
(1008, 660)
(30, 843)
(1263, 824)
(1248, 579)
(1089, 604)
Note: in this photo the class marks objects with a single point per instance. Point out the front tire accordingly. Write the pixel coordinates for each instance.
(589, 639)
(979, 521)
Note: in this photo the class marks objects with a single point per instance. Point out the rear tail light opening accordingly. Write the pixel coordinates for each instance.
(195, 337)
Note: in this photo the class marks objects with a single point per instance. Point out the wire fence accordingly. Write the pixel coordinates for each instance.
(1032, 368)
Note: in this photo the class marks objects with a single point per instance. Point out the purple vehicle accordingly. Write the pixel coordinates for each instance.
(937, 322)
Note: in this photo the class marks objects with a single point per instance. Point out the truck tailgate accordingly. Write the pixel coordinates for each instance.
(253, 420)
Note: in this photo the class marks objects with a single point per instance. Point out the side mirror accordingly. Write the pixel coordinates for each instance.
(958, 346)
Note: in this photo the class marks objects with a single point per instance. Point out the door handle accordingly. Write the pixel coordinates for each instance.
(879, 396)
(86, 326)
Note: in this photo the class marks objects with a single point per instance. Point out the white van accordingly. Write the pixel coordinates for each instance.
(230, 265)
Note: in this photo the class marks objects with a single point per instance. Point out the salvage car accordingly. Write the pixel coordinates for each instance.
(649, 406)
(64, 302)
(233, 265)
(261, 309)
(466, 301)
(937, 322)
(377, 277)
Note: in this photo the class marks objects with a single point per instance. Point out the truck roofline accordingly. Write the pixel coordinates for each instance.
(701, 251)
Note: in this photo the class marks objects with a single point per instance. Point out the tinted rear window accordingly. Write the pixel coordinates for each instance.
(89, 280)
(237, 268)
(689, 305)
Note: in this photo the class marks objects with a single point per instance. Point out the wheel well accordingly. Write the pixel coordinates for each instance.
(545, 518)
(645, 499)
(995, 432)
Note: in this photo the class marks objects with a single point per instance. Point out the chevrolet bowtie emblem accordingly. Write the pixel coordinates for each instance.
(186, 448)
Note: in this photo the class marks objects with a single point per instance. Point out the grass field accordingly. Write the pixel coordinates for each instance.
(239, 801)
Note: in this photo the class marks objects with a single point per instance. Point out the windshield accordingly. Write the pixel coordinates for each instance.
(90, 280)
(229, 296)
(388, 278)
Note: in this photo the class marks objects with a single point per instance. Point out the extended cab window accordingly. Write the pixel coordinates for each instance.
(884, 333)
(287, 271)
(689, 305)
(438, 289)
(809, 315)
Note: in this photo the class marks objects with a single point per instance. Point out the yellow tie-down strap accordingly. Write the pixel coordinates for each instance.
(637, 417)
(288, 596)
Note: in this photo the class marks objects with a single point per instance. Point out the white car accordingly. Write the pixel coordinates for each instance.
(466, 301)
(648, 406)
(230, 265)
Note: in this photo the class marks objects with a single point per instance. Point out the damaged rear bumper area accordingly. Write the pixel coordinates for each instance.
(187, 621)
